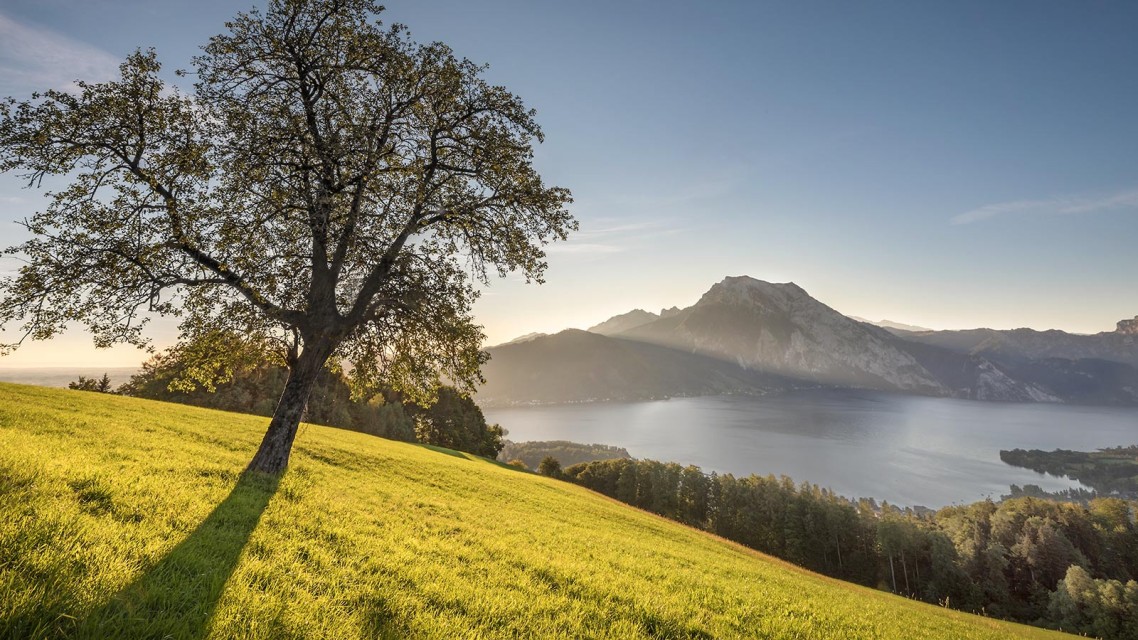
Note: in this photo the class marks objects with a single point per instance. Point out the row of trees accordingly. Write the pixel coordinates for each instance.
(566, 453)
(1042, 562)
(1112, 471)
(452, 420)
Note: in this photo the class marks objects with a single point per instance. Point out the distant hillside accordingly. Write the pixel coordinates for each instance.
(624, 322)
(526, 338)
(125, 518)
(631, 320)
(889, 324)
(579, 366)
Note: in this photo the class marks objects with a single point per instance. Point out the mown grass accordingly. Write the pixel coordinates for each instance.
(124, 518)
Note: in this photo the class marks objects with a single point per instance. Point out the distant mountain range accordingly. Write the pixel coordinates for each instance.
(746, 336)
(889, 324)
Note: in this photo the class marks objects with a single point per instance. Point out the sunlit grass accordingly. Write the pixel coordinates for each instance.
(124, 518)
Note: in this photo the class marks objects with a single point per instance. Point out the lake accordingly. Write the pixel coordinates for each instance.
(905, 449)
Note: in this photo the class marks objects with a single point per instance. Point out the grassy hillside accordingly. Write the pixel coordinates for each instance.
(128, 518)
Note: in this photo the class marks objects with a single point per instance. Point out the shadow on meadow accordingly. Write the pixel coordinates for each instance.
(177, 597)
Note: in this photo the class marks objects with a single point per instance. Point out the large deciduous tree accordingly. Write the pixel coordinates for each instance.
(328, 186)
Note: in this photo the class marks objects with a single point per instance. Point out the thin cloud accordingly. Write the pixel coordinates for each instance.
(584, 248)
(620, 229)
(1053, 206)
(33, 59)
(610, 235)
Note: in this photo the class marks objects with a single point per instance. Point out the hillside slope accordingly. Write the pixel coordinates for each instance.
(127, 518)
(579, 366)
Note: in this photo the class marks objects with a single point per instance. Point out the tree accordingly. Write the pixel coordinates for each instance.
(98, 385)
(455, 421)
(328, 187)
(549, 467)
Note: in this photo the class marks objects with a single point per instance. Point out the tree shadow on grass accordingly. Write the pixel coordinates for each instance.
(177, 597)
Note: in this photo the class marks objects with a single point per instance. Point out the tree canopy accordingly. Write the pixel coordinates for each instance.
(328, 188)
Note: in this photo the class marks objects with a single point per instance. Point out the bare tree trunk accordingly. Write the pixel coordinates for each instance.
(892, 573)
(905, 571)
(272, 456)
(917, 570)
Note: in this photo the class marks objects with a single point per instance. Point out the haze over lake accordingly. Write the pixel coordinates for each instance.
(904, 449)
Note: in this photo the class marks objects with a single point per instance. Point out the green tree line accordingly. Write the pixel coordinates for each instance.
(567, 453)
(1113, 470)
(1060, 565)
(453, 420)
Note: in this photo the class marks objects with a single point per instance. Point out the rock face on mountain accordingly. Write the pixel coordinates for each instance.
(1128, 327)
(1082, 381)
(974, 377)
(779, 328)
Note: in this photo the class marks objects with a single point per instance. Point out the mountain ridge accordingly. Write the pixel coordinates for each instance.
(776, 336)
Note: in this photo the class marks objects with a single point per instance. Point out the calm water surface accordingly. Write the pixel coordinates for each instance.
(904, 449)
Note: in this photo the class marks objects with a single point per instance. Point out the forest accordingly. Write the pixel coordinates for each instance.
(567, 453)
(1109, 471)
(1055, 564)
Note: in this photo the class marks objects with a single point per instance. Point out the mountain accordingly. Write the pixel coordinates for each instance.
(1089, 369)
(779, 328)
(1021, 345)
(748, 336)
(580, 366)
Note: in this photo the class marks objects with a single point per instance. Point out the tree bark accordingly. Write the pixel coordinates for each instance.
(273, 454)
(892, 573)
(905, 572)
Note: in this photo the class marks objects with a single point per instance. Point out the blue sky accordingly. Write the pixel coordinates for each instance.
(952, 165)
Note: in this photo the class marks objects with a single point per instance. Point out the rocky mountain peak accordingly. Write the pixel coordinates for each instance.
(745, 290)
(624, 322)
(1128, 327)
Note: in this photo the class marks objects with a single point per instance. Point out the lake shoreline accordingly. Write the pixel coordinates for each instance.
(907, 450)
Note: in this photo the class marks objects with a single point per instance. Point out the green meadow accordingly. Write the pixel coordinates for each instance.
(125, 518)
